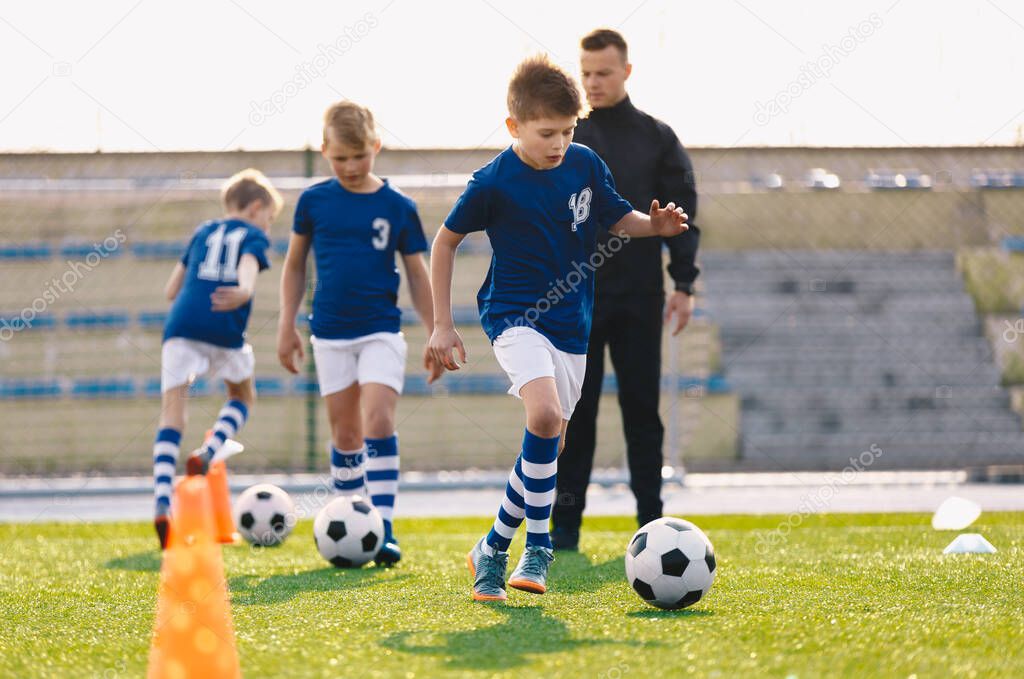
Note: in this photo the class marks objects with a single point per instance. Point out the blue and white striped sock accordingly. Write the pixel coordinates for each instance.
(540, 465)
(511, 513)
(230, 420)
(347, 470)
(165, 461)
(382, 477)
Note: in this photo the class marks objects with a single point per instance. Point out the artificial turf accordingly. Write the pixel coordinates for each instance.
(839, 595)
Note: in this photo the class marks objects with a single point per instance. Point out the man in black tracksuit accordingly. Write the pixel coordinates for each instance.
(647, 161)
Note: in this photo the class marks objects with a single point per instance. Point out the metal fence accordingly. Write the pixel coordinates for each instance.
(85, 247)
(86, 243)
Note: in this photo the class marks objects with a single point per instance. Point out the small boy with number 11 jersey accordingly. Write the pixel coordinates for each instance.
(212, 289)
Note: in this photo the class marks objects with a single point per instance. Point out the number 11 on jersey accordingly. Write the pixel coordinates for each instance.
(211, 269)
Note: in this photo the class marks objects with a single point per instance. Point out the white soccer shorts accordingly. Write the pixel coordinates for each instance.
(183, 360)
(525, 355)
(378, 358)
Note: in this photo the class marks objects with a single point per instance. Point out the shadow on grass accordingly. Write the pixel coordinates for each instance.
(525, 633)
(255, 590)
(573, 572)
(659, 614)
(148, 561)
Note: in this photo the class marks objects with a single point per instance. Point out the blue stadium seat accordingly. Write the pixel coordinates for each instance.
(34, 250)
(462, 315)
(202, 387)
(152, 319)
(465, 315)
(416, 385)
(151, 387)
(159, 249)
(717, 384)
(305, 385)
(477, 384)
(270, 386)
(103, 387)
(1013, 243)
(95, 320)
(454, 383)
(997, 179)
(15, 322)
(80, 249)
(29, 388)
(898, 180)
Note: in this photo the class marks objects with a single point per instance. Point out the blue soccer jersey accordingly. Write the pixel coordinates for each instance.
(543, 227)
(211, 261)
(355, 238)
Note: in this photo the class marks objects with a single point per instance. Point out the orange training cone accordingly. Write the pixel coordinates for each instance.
(218, 477)
(221, 496)
(193, 635)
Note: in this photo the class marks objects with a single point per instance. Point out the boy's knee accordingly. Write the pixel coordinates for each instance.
(545, 421)
(244, 392)
(346, 440)
(380, 425)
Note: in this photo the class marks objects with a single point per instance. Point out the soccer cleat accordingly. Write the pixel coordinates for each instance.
(163, 527)
(230, 448)
(531, 575)
(564, 539)
(390, 553)
(488, 573)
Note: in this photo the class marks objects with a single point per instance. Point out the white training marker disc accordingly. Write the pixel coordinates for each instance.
(969, 543)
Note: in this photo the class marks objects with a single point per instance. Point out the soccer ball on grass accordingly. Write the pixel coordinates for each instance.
(349, 531)
(264, 514)
(670, 563)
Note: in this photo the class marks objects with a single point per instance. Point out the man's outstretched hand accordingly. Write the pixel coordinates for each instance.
(668, 221)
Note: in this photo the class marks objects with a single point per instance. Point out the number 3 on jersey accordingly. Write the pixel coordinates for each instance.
(211, 269)
(383, 229)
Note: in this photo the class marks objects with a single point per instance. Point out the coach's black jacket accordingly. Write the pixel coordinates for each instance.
(647, 162)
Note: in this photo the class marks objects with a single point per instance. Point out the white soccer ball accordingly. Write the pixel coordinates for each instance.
(670, 563)
(349, 531)
(264, 514)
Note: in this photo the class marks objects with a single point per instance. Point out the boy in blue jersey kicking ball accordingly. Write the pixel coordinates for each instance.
(541, 203)
(212, 288)
(356, 223)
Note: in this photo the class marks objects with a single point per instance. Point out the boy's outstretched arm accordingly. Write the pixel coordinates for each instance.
(293, 287)
(173, 285)
(419, 290)
(667, 222)
(445, 337)
(230, 297)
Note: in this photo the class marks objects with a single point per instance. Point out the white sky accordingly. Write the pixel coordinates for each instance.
(151, 75)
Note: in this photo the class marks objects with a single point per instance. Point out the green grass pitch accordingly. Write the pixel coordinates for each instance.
(841, 595)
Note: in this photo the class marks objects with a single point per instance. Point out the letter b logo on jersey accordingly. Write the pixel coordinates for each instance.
(579, 204)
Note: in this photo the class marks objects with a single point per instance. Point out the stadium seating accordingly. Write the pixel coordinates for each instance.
(833, 352)
(89, 360)
(898, 180)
